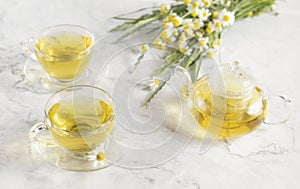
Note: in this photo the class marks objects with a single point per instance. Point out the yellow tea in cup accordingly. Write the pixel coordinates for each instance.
(64, 55)
(63, 51)
(75, 132)
(80, 125)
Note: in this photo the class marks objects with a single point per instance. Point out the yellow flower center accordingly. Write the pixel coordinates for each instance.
(156, 82)
(204, 14)
(226, 18)
(194, 13)
(196, 26)
(208, 30)
(156, 43)
(175, 22)
(181, 38)
(218, 25)
(160, 47)
(186, 2)
(143, 48)
(210, 54)
(214, 14)
(163, 9)
(186, 26)
(183, 49)
(163, 34)
(250, 14)
(206, 3)
(100, 156)
(187, 33)
(167, 41)
(170, 17)
(179, 43)
(195, 5)
(198, 35)
(201, 43)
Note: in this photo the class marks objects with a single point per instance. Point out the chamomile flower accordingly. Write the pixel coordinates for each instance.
(216, 44)
(174, 19)
(226, 17)
(211, 52)
(175, 32)
(170, 17)
(177, 21)
(188, 27)
(186, 2)
(183, 45)
(169, 33)
(198, 34)
(167, 24)
(187, 23)
(214, 15)
(164, 8)
(165, 34)
(206, 3)
(182, 39)
(209, 28)
(197, 24)
(188, 52)
(159, 43)
(228, 3)
(202, 43)
(144, 48)
(250, 14)
(193, 8)
(195, 4)
(150, 84)
(217, 25)
(204, 14)
(183, 48)
(189, 33)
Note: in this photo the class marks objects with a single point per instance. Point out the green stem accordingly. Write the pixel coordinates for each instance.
(155, 92)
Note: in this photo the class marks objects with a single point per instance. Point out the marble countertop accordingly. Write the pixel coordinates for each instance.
(267, 158)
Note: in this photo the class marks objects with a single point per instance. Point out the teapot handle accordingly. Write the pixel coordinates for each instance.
(279, 109)
(185, 81)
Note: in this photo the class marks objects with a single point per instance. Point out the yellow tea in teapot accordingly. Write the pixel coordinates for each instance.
(78, 126)
(64, 55)
(226, 116)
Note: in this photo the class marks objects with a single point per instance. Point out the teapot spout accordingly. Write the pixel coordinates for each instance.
(184, 91)
(185, 81)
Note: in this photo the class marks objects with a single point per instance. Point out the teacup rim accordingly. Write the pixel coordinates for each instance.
(73, 86)
(37, 37)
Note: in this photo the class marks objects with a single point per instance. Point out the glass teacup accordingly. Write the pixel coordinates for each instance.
(63, 51)
(78, 120)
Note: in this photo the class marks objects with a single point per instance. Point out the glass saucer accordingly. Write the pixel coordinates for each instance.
(44, 147)
(38, 78)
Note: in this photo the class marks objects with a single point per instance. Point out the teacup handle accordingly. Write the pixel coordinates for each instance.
(36, 132)
(279, 109)
(28, 46)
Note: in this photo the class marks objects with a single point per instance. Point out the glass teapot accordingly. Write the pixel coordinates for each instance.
(228, 103)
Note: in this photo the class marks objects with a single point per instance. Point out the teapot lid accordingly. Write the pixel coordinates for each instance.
(230, 80)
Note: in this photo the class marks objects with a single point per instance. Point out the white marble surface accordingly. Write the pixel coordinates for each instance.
(267, 158)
